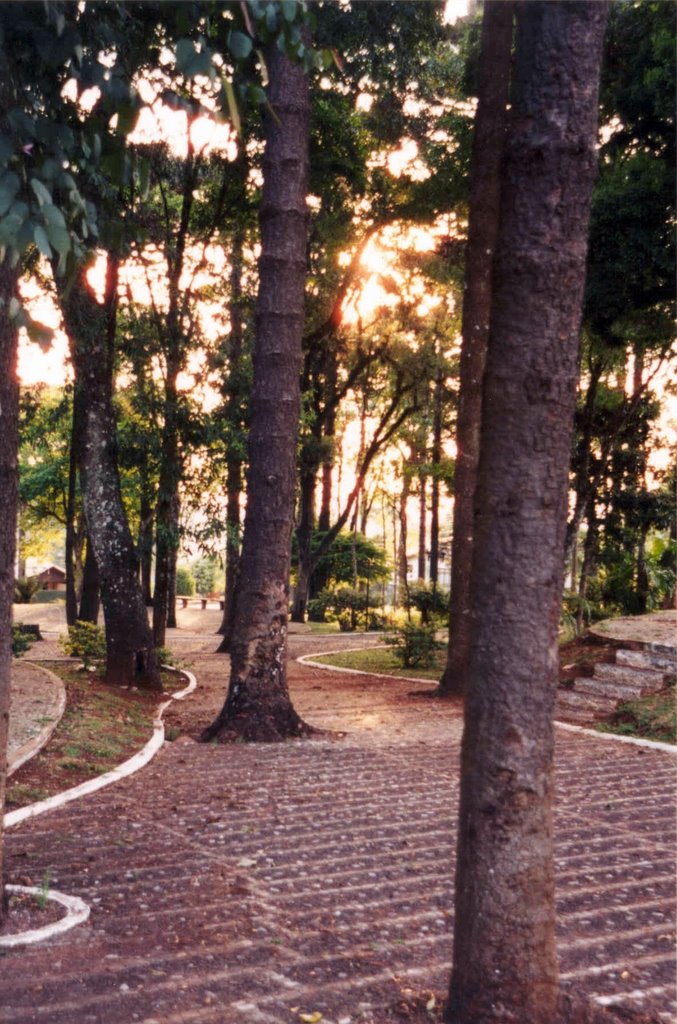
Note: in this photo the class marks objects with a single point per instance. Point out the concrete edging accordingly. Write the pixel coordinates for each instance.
(133, 764)
(77, 912)
(308, 659)
(31, 747)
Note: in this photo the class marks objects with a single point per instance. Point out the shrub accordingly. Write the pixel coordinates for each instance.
(185, 581)
(21, 642)
(25, 587)
(431, 602)
(204, 572)
(414, 645)
(86, 641)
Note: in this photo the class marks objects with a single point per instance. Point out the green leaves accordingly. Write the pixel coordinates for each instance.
(9, 186)
(240, 45)
(194, 59)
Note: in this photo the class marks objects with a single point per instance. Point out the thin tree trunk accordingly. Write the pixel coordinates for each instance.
(145, 538)
(9, 452)
(71, 592)
(171, 582)
(483, 221)
(422, 518)
(90, 599)
(234, 460)
(167, 512)
(304, 537)
(258, 706)
(130, 654)
(402, 563)
(505, 964)
(436, 455)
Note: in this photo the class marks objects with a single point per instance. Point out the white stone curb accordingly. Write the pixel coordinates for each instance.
(636, 741)
(77, 911)
(308, 659)
(126, 768)
(36, 743)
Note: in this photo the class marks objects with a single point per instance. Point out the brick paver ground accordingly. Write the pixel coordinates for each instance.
(237, 884)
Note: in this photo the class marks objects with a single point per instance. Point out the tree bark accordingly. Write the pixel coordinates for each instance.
(71, 592)
(483, 220)
(9, 458)
(234, 398)
(505, 965)
(167, 509)
(436, 458)
(145, 537)
(258, 706)
(130, 654)
(422, 516)
(90, 599)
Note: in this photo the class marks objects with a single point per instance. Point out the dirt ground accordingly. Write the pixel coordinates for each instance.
(276, 882)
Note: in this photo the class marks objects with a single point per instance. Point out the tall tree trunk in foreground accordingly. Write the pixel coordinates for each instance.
(505, 965)
(485, 188)
(258, 706)
(130, 654)
(9, 445)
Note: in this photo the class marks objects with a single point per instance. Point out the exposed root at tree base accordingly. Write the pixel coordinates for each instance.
(244, 728)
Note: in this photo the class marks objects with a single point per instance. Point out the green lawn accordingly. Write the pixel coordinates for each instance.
(383, 661)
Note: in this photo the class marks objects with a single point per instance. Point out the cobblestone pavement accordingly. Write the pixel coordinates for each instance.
(237, 884)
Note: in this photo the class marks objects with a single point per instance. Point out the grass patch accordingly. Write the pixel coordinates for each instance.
(324, 627)
(382, 661)
(649, 718)
(101, 727)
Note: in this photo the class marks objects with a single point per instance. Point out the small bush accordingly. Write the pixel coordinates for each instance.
(185, 581)
(86, 641)
(164, 656)
(25, 587)
(414, 645)
(21, 642)
(431, 602)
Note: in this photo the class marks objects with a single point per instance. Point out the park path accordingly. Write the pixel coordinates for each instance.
(237, 884)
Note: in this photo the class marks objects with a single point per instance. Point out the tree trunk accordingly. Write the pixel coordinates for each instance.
(258, 706)
(167, 509)
(436, 454)
(483, 220)
(505, 964)
(422, 515)
(145, 538)
(234, 398)
(9, 451)
(402, 563)
(71, 590)
(304, 537)
(171, 584)
(90, 599)
(130, 654)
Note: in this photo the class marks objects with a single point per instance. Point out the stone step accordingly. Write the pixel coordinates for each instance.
(605, 688)
(650, 680)
(592, 705)
(664, 661)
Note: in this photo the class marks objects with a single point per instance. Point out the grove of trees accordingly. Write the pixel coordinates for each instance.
(378, 261)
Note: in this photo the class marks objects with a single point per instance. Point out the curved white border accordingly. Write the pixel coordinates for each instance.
(77, 911)
(31, 747)
(308, 659)
(126, 768)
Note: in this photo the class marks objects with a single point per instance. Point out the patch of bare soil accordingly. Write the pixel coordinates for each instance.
(101, 727)
(26, 911)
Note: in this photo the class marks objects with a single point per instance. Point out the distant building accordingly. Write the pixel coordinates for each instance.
(53, 578)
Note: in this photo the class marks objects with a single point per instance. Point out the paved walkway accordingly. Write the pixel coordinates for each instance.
(261, 883)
